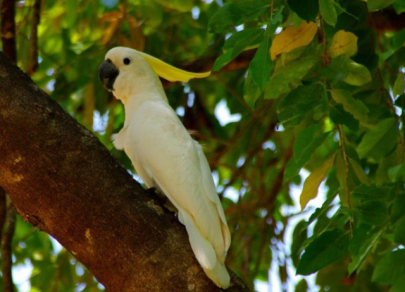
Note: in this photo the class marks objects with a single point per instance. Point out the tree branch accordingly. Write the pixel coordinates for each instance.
(8, 28)
(6, 248)
(64, 181)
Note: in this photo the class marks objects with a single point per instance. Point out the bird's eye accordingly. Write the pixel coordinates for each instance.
(127, 61)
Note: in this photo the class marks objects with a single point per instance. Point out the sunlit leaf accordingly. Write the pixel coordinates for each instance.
(358, 74)
(311, 184)
(292, 38)
(343, 43)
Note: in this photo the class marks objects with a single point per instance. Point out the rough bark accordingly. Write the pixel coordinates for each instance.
(64, 181)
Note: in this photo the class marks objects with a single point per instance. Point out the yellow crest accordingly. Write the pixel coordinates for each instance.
(170, 72)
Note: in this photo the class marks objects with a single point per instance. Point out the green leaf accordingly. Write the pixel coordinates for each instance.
(289, 76)
(397, 173)
(399, 39)
(305, 144)
(330, 246)
(378, 4)
(364, 239)
(311, 184)
(179, 5)
(399, 286)
(230, 15)
(372, 212)
(307, 10)
(399, 85)
(352, 105)
(237, 43)
(328, 11)
(339, 116)
(342, 176)
(251, 91)
(358, 74)
(399, 231)
(298, 102)
(372, 192)
(379, 141)
(336, 70)
(391, 268)
(358, 171)
(399, 6)
(261, 65)
(298, 238)
(302, 286)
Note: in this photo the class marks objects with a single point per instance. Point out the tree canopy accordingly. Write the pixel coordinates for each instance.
(310, 87)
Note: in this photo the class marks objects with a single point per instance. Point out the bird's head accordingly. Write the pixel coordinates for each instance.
(122, 67)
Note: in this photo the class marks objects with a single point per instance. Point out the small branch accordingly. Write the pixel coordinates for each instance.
(6, 248)
(3, 211)
(342, 144)
(8, 29)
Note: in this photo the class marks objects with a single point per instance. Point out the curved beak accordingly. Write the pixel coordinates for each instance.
(107, 74)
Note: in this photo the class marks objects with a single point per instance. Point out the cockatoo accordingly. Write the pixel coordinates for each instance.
(164, 154)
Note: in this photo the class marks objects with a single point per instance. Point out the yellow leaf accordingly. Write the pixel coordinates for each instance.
(311, 184)
(343, 43)
(292, 38)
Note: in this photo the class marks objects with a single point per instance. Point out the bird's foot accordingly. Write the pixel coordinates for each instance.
(162, 199)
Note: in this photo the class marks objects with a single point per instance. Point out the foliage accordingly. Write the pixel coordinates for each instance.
(324, 92)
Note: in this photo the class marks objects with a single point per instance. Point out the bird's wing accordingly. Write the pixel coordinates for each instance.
(211, 191)
(168, 153)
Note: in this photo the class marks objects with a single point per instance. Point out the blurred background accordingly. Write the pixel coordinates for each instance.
(305, 101)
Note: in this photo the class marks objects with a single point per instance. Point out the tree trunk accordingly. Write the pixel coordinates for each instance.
(64, 181)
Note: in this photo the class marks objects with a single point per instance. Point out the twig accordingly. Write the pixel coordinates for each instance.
(345, 160)
(6, 248)
(3, 210)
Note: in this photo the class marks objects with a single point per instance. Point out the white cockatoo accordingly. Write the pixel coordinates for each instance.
(164, 154)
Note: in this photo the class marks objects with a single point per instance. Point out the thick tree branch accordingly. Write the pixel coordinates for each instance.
(63, 180)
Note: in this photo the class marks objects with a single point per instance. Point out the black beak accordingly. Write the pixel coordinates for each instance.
(107, 73)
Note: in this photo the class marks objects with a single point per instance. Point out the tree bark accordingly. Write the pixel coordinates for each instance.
(64, 181)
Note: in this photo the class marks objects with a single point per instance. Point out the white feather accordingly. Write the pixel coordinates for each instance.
(166, 157)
